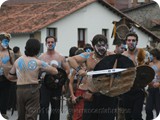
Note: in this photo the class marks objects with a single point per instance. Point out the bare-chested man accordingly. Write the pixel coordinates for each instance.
(46, 94)
(134, 99)
(26, 68)
(101, 107)
(6, 62)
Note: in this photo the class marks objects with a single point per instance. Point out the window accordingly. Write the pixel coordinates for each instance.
(52, 32)
(81, 37)
(105, 32)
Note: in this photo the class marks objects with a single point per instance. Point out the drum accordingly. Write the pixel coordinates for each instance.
(53, 82)
(121, 82)
(144, 75)
(116, 83)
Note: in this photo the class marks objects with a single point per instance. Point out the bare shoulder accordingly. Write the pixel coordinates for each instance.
(42, 55)
(110, 53)
(125, 53)
(11, 51)
(151, 64)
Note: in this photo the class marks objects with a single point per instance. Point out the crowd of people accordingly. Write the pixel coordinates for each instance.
(22, 76)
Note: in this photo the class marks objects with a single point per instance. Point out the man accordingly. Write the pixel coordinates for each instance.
(26, 68)
(134, 99)
(153, 98)
(6, 61)
(48, 96)
(94, 110)
(120, 48)
(17, 52)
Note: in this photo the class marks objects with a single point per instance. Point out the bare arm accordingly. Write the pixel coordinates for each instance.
(71, 80)
(75, 62)
(48, 68)
(12, 74)
(65, 65)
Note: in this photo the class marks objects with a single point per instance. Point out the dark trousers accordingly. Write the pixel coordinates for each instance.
(28, 102)
(153, 102)
(46, 97)
(4, 95)
(12, 96)
(133, 104)
(101, 108)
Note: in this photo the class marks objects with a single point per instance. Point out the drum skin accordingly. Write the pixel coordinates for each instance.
(116, 83)
(144, 75)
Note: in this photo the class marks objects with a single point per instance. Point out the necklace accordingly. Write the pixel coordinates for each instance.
(95, 58)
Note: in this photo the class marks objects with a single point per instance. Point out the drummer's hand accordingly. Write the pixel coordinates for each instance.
(82, 72)
(156, 84)
(74, 99)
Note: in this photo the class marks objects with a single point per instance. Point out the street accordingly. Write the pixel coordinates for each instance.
(63, 115)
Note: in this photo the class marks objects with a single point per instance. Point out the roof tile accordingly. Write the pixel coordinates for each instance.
(27, 17)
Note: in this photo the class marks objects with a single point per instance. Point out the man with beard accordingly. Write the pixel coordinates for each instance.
(134, 99)
(100, 107)
(47, 96)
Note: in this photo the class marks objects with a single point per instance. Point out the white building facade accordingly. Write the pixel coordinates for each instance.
(93, 19)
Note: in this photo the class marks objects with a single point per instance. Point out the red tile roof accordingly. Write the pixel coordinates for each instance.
(26, 17)
(30, 17)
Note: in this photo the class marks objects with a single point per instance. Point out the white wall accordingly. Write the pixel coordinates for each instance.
(93, 17)
(20, 41)
(143, 39)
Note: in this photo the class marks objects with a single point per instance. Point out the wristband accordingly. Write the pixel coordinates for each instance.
(78, 69)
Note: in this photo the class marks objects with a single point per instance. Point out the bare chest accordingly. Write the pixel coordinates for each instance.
(91, 63)
(49, 58)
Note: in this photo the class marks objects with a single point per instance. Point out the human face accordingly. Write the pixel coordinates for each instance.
(5, 43)
(120, 49)
(101, 48)
(51, 44)
(131, 43)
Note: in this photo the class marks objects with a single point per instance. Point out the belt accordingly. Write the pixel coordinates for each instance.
(28, 86)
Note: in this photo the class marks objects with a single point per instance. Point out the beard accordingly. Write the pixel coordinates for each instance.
(131, 49)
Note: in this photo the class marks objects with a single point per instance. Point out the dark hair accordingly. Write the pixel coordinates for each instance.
(5, 36)
(132, 34)
(72, 51)
(51, 37)
(32, 47)
(156, 53)
(79, 51)
(88, 46)
(98, 38)
(16, 49)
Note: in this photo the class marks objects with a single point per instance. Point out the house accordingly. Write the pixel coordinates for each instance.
(125, 4)
(73, 22)
(147, 15)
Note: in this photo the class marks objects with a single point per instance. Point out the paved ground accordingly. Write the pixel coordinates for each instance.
(63, 115)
